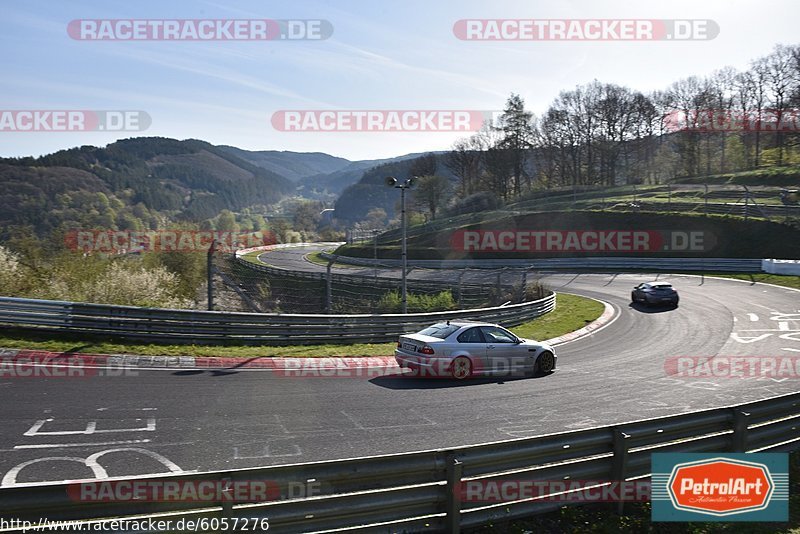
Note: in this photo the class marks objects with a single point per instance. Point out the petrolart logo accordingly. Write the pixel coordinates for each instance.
(714, 487)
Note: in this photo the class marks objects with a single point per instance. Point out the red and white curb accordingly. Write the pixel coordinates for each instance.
(15, 357)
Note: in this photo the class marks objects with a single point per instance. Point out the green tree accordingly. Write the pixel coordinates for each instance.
(226, 222)
(517, 138)
(430, 193)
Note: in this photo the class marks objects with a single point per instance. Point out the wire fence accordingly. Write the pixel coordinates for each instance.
(262, 288)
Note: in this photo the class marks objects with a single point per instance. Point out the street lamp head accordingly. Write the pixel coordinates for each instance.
(410, 182)
(391, 181)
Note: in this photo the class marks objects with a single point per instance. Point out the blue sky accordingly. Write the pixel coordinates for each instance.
(382, 55)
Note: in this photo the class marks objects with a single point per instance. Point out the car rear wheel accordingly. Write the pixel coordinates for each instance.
(461, 368)
(546, 362)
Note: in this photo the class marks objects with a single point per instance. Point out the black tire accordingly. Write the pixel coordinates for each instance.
(545, 363)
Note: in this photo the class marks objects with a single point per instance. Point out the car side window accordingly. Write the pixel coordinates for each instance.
(473, 335)
(496, 335)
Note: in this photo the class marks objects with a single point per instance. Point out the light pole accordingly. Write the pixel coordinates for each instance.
(391, 181)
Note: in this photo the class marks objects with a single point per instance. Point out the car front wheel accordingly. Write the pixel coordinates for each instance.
(546, 362)
(461, 368)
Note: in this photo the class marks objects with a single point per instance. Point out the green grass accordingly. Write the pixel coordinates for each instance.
(571, 313)
(252, 257)
(766, 278)
(316, 257)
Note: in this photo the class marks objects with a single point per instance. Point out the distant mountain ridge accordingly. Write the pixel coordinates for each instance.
(291, 165)
(318, 176)
(151, 181)
(168, 179)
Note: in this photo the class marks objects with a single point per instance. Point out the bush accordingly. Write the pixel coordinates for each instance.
(392, 302)
(12, 275)
(517, 294)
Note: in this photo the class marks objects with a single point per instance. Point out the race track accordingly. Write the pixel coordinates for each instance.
(155, 421)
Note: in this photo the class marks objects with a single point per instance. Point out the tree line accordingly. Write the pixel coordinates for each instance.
(605, 134)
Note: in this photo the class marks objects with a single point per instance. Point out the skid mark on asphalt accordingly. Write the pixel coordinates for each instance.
(368, 421)
(272, 448)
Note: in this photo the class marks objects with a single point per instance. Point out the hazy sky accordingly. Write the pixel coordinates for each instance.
(393, 55)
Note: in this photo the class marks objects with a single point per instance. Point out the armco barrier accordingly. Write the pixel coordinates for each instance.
(791, 267)
(421, 491)
(655, 264)
(191, 326)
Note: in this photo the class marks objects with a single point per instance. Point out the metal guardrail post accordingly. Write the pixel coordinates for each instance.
(329, 288)
(227, 500)
(669, 197)
(455, 470)
(459, 288)
(210, 274)
(740, 423)
(619, 464)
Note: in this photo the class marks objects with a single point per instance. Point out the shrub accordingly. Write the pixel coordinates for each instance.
(392, 302)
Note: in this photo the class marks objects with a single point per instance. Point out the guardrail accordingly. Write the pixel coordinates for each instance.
(622, 263)
(192, 326)
(422, 491)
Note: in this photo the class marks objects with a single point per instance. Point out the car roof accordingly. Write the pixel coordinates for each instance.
(463, 322)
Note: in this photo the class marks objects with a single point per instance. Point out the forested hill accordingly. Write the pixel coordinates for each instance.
(130, 183)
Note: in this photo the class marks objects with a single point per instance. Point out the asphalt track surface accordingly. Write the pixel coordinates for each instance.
(158, 421)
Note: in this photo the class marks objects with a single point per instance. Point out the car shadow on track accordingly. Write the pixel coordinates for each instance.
(399, 381)
(651, 309)
(209, 372)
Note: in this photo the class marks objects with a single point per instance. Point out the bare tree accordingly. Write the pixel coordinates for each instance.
(430, 192)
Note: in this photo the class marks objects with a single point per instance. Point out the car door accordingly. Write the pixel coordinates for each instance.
(504, 354)
(472, 343)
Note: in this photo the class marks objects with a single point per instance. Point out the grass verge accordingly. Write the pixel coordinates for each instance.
(766, 278)
(571, 313)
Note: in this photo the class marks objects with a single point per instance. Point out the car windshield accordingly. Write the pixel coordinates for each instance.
(442, 331)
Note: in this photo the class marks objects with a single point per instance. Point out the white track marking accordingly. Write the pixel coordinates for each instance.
(169, 464)
(91, 428)
(100, 444)
(10, 478)
(753, 317)
(736, 337)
